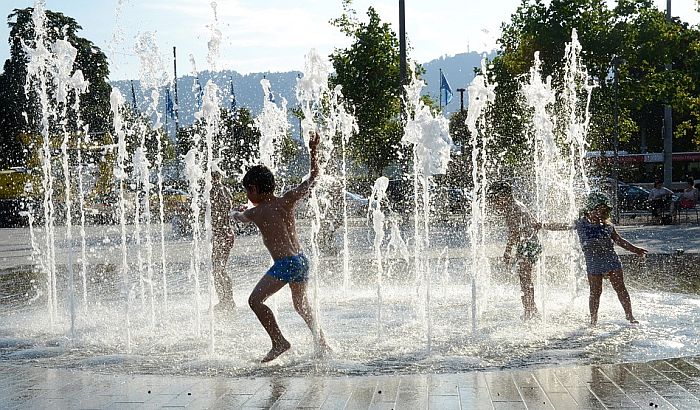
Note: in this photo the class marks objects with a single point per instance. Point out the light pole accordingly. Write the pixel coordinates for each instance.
(616, 140)
(668, 123)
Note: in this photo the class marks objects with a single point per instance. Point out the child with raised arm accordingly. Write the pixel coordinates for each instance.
(274, 217)
(598, 236)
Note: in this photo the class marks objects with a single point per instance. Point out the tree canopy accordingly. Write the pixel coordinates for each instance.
(368, 70)
(632, 41)
(95, 109)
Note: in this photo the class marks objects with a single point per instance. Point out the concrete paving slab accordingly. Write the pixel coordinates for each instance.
(654, 384)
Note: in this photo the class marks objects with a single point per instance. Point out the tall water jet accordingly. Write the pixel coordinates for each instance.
(558, 130)
(80, 85)
(65, 55)
(153, 77)
(38, 65)
(273, 125)
(343, 124)
(117, 104)
(540, 98)
(194, 174)
(481, 94)
(375, 204)
(211, 118)
(575, 121)
(311, 90)
(428, 134)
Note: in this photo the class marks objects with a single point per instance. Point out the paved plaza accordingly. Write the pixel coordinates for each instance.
(665, 384)
(668, 383)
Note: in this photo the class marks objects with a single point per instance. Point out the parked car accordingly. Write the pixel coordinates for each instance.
(632, 197)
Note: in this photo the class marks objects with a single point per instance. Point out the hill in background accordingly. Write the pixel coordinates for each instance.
(459, 70)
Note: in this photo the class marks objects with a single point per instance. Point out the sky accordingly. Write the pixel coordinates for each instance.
(275, 35)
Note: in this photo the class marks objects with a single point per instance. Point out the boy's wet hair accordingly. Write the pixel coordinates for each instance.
(261, 177)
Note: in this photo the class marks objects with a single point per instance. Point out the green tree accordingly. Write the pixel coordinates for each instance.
(368, 70)
(632, 42)
(238, 141)
(95, 109)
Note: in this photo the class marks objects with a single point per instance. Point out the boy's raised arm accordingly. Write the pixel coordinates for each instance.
(303, 188)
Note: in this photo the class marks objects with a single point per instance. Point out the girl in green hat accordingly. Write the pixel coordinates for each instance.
(598, 236)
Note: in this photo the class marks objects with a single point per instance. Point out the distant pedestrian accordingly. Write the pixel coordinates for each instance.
(660, 199)
(598, 236)
(689, 197)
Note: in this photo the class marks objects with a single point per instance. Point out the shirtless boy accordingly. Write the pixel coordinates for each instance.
(274, 217)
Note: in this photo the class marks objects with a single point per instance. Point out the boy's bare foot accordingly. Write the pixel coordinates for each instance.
(276, 351)
(633, 320)
(530, 315)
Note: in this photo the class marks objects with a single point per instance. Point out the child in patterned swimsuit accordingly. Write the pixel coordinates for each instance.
(522, 234)
(274, 217)
(597, 236)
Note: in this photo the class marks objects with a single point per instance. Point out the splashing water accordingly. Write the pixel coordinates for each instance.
(273, 125)
(311, 90)
(117, 104)
(481, 94)
(558, 150)
(119, 335)
(429, 137)
(375, 204)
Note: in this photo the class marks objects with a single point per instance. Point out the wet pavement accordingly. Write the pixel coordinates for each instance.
(666, 384)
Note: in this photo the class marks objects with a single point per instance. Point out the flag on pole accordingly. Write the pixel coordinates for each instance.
(169, 106)
(133, 97)
(199, 93)
(445, 89)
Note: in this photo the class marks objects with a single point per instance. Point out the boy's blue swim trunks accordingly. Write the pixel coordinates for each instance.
(291, 268)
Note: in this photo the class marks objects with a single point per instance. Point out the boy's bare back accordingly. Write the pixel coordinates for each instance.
(274, 216)
(275, 220)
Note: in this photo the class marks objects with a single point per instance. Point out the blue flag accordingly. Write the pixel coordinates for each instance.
(200, 93)
(169, 106)
(445, 89)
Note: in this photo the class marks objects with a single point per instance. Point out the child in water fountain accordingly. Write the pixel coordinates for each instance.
(222, 241)
(597, 235)
(522, 235)
(274, 217)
